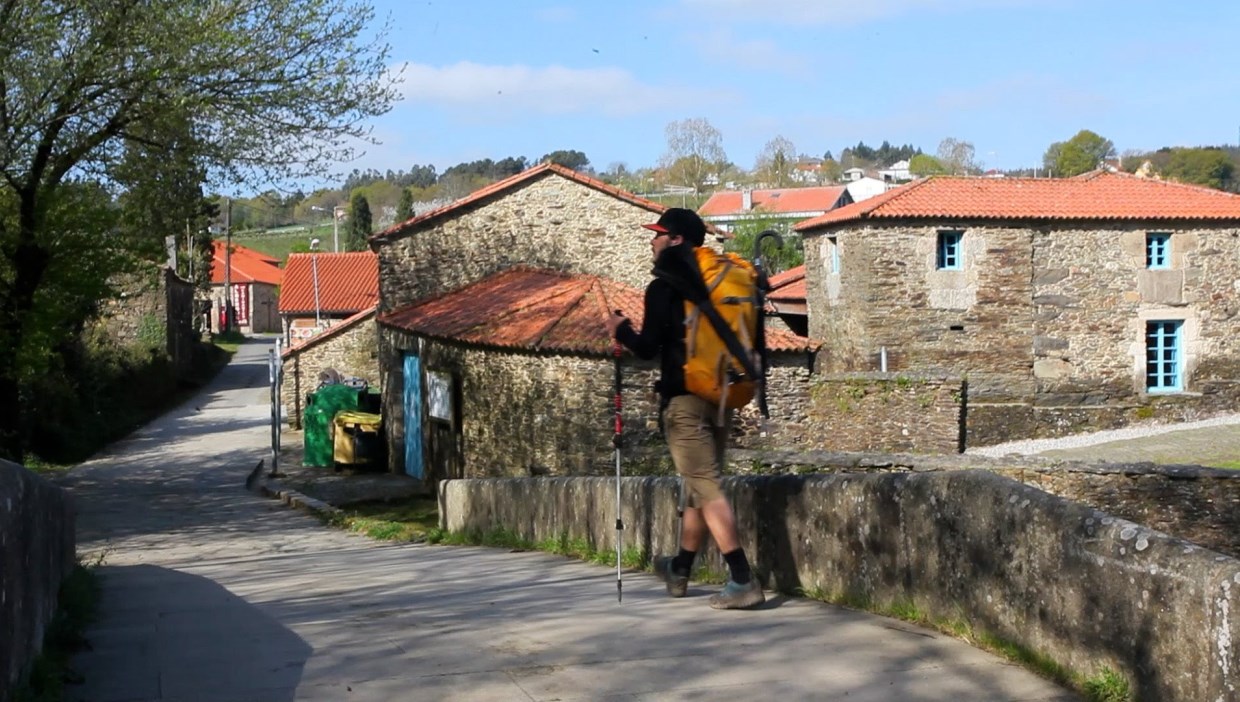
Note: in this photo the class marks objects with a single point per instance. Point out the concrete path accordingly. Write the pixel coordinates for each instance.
(212, 594)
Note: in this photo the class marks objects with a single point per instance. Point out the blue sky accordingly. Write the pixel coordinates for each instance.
(490, 79)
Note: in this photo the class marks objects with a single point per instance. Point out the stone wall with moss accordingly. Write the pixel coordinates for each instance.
(153, 312)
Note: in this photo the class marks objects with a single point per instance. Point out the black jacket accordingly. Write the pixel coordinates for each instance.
(663, 328)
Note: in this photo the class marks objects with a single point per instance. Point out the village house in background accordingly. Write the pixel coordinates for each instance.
(350, 348)
(781, 207)
(255, 284)
(1064, 304)
(493, 344)
(322, 289)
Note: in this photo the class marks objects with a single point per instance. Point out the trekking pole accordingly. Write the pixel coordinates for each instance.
(760, 308)
(616, 440)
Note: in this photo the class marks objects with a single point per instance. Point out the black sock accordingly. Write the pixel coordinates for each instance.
(738, 565)
(683, 562)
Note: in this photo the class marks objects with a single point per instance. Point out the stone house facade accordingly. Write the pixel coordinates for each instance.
(351, 348)
(1066, 305)
(549, 252)
(528, 376)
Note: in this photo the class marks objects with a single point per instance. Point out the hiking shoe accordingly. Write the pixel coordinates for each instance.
(677, 585)
(736, 596)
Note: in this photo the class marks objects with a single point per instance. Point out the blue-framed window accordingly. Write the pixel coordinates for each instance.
(1164, 356)
(949, 255)
(1157, 250)
(833, 265)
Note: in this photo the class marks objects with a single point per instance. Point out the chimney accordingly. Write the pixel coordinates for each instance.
(746, 200)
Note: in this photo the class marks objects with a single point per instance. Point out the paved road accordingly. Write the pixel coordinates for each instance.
(213, 594)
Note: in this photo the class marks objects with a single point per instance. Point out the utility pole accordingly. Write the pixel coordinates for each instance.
(226, 326)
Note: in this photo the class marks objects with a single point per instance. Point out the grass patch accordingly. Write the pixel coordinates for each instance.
(78, 599)
(412, 519)
(228, 341)
(1231, 465)
(1104, 686)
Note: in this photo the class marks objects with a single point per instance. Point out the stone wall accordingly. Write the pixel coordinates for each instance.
(155, 310)
(549, 222)
(1086, 589)
(36, 553)
(1047, 324)
(544, 414)
(353, 352)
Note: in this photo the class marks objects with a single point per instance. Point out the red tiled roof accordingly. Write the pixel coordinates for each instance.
(348, 282)
(248, 266)
(784, 200)
(1099, 195)
(399, 231)
(538, 310)
(788, 286)
(333, 331)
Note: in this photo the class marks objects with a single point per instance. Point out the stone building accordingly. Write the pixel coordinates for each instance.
(519, 379)
(154, 311)
(350, 347)
(1066, 304)
(548, 251)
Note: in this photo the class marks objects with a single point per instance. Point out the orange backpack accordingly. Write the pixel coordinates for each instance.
(722, 340)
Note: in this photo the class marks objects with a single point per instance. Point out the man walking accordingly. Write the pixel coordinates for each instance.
(696, 430)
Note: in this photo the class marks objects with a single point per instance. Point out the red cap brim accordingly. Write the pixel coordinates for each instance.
(656, 227)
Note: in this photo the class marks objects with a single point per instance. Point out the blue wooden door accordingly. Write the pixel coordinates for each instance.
(413, 416)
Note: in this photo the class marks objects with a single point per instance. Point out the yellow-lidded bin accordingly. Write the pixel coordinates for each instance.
(357, 438)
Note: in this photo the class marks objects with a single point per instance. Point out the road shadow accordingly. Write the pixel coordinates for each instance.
(163, 633)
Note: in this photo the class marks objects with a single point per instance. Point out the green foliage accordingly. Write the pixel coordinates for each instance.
(1212, 168)
(575, 160)
(360, 227)
(152, 334)
(1107, 686)
(411, 519)
(404, 207)
(1082, 153)
(775, 259)
(923, 165)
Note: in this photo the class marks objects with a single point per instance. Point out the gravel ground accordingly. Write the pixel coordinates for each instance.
(1068, 444)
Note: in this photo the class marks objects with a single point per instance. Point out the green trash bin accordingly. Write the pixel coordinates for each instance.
(321, 407)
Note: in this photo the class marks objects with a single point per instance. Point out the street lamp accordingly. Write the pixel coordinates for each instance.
(336, 212)
(314, 272)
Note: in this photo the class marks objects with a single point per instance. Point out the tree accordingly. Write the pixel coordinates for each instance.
(1210, 167)
(404, 206)
(360, 227)
(830, 171)
(575, 160)
(956, 156)
(776, 161)
(1082, 153)
(272, 89)
(923, 165)
(775, 259)
(694, 151)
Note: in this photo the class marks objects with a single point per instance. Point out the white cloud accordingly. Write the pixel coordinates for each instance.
(546, 90)
(832, 12)
(722, 46)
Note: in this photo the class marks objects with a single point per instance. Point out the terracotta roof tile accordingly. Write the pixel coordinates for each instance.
(537, 310)
(248, 266)
(1100, 195)
(348, 283)
(788, 286)
(783, 200)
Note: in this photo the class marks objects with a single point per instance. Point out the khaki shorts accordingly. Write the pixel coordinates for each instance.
(697, 441)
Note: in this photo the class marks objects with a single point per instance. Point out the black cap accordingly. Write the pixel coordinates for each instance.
(681, 222)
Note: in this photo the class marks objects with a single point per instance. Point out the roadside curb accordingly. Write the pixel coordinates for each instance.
(260, 482)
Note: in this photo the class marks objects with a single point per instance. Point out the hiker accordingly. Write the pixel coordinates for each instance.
(696, 430)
